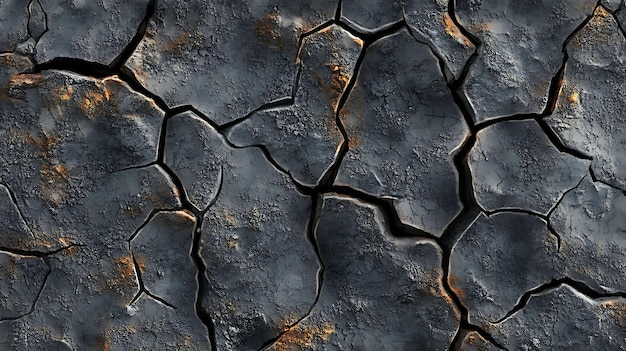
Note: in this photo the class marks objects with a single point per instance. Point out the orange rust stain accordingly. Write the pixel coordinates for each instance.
(454, 282)
(93, 101)
(574, 98)
(126, 267)
(182, 42)
(65, 93)
(360, 42)
(186, 215)
(471, 339)
(453, 31)
(339, 79)
(617, 310)
(26, 79)
(65, 242)
(131, 329)
(267, 30)
(232, 244)
(53, 174)
(302, 337)
(333, 88)
(122, 275)
(53, 183)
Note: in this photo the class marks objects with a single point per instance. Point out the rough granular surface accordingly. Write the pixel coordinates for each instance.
(312, 175)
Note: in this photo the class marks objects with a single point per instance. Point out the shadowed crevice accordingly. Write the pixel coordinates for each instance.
(554, 284)
(317, 202)
(143, 289)
(117, 63)
(34, 305)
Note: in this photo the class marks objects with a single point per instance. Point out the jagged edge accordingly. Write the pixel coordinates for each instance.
(317, 203)
(552, 285)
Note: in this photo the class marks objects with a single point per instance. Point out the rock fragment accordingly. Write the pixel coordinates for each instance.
(14, 19)
(374, 287)
(515, 166)
(78, 155)
(304, 138)
(261, 269)
(498, 259)
(403, 127)
(225, 58)
(162, 251)
(589, 116)
(564, 319)
(429, 19)
(590, 222)
(21, 279)
(95, 31)
(521, 51)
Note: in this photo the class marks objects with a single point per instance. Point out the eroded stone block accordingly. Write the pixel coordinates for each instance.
(514, 165)
(521, 53)
(225, 58)
(589, 115)
(304, 137)
(403, 128)
(374, 287)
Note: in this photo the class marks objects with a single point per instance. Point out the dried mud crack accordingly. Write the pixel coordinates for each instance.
(323, 175)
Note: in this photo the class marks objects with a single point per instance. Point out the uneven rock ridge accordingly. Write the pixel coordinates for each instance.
(312, 175)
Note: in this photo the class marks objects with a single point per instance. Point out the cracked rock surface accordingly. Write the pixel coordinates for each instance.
(374, 289)
(308, 127)
(312, 175)
(224, 57)
(405, 109)
(514, 165)
(521, 51)
(564, 319)
(498, 259)
(589, 117)
(107, 26)
(590, 223)
(252, 288)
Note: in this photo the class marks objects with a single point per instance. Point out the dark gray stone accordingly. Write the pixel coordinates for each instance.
(304, 138)
(21, 279)
(196, 153)
(162, 250)
(564, 319)
(37, 21)
(378, 292)
(14, 233)
(225, 58)
(73, 155)
(589, 115)
(498, 259)
(14, 20)
(403, 128)
(514, 165)
(89, 30)
(590, 221)
(261, 268)
(521, 51)
(429, 20)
